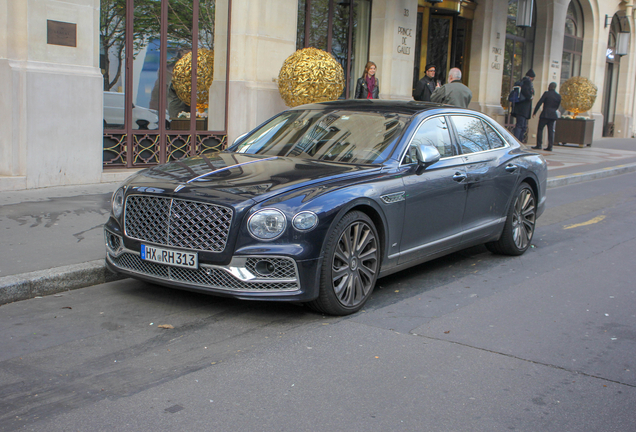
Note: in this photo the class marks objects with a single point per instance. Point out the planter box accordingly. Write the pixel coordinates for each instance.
(184, 124)
(574, 131)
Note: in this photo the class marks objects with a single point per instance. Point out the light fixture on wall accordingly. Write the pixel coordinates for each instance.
(524, 13)
(622, 43)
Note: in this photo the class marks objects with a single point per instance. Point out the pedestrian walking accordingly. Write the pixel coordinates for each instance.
(368, 86)
(453, 92)
(522, 109)
(550, 100)
(427, 85)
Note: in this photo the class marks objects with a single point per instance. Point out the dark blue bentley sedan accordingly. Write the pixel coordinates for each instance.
(320, 201)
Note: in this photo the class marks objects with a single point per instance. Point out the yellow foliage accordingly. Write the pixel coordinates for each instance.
(310, 75)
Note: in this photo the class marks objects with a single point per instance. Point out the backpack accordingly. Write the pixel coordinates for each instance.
(515, 95)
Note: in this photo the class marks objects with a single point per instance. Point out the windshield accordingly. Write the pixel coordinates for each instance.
(341, 136)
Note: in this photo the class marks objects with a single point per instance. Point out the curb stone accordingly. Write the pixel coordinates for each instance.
(45, 282)
(590, 175)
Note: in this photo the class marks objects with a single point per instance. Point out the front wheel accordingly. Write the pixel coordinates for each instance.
(520, 224)
(350, 267)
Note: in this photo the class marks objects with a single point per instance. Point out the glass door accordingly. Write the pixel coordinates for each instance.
(442, 39)
(518, 52)
(612, 65)
(340, 28)
(440, 28)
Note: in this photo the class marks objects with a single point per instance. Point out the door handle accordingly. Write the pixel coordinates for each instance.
(459, 177)
(511, 168)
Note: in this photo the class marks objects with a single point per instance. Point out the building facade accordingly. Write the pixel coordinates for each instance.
(93, 88)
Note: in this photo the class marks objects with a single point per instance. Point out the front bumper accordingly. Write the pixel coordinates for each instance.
(285, 280)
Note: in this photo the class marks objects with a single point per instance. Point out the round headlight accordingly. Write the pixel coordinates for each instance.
(118, 202)
(267, 224)
(305, 221)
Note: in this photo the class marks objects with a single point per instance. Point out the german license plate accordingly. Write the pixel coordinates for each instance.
(169, 257)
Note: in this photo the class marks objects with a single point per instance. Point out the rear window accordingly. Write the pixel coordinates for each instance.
(476, 135)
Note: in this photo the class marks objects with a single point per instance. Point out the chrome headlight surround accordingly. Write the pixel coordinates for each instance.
(267, 224)
(305, 221)
(118, 202)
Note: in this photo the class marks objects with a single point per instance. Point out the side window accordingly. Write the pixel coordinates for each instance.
(433, 132)
(493, 137)
(471, 133)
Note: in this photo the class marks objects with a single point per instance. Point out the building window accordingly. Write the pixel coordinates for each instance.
(612, 69)
(517, 55)
(340, 28)
(572, 42)
(159, 104)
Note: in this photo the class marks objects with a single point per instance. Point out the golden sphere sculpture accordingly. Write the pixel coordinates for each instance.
(182, 73)
(310, 75)
(578, 95)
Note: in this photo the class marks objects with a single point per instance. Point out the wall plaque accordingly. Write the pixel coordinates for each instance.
(61, 33)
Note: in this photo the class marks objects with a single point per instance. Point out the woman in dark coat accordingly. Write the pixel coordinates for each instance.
(368, 87)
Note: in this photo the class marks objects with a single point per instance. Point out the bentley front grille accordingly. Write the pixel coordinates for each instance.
(176, 222)
(207, 277)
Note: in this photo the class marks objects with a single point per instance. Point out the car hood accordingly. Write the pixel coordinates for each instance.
(232, 178)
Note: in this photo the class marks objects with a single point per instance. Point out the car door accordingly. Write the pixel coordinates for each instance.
(435, 196)
(491, 176)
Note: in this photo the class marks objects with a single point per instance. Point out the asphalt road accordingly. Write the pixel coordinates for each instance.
(469, 342)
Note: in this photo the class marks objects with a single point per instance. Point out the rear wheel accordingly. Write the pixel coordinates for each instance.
(350, 267)
(520, 223)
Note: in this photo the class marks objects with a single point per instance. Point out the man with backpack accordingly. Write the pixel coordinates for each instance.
(522, 110)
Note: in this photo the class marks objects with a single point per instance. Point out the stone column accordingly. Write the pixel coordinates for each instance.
(263, 35)
(593, 64)
(51, 105)
(392, 46)
(488, 41)
(624, 114)
(548, 53)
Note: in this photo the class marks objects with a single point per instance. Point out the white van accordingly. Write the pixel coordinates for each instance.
(142, 118)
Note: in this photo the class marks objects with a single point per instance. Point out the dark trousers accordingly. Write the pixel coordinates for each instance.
(550, 124)
(520, 128)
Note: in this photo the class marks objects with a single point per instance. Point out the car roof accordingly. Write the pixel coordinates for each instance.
(404, 107)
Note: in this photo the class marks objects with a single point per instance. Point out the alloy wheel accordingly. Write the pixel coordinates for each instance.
(355, 264)
(523, 219)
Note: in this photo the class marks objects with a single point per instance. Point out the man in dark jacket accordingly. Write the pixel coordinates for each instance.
(454, 92)
(426, 86)
(550, 101)
(523, 109)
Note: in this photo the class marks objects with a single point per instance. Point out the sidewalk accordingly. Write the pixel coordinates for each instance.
(606, 157)
(53, 241)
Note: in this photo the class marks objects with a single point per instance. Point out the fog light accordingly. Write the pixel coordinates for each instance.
(113, 241)
(265, 268)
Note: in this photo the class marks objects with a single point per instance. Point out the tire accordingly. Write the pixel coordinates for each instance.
(350, 266)
(520, 224)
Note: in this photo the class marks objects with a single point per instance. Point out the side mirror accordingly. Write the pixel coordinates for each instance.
(426, 155)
